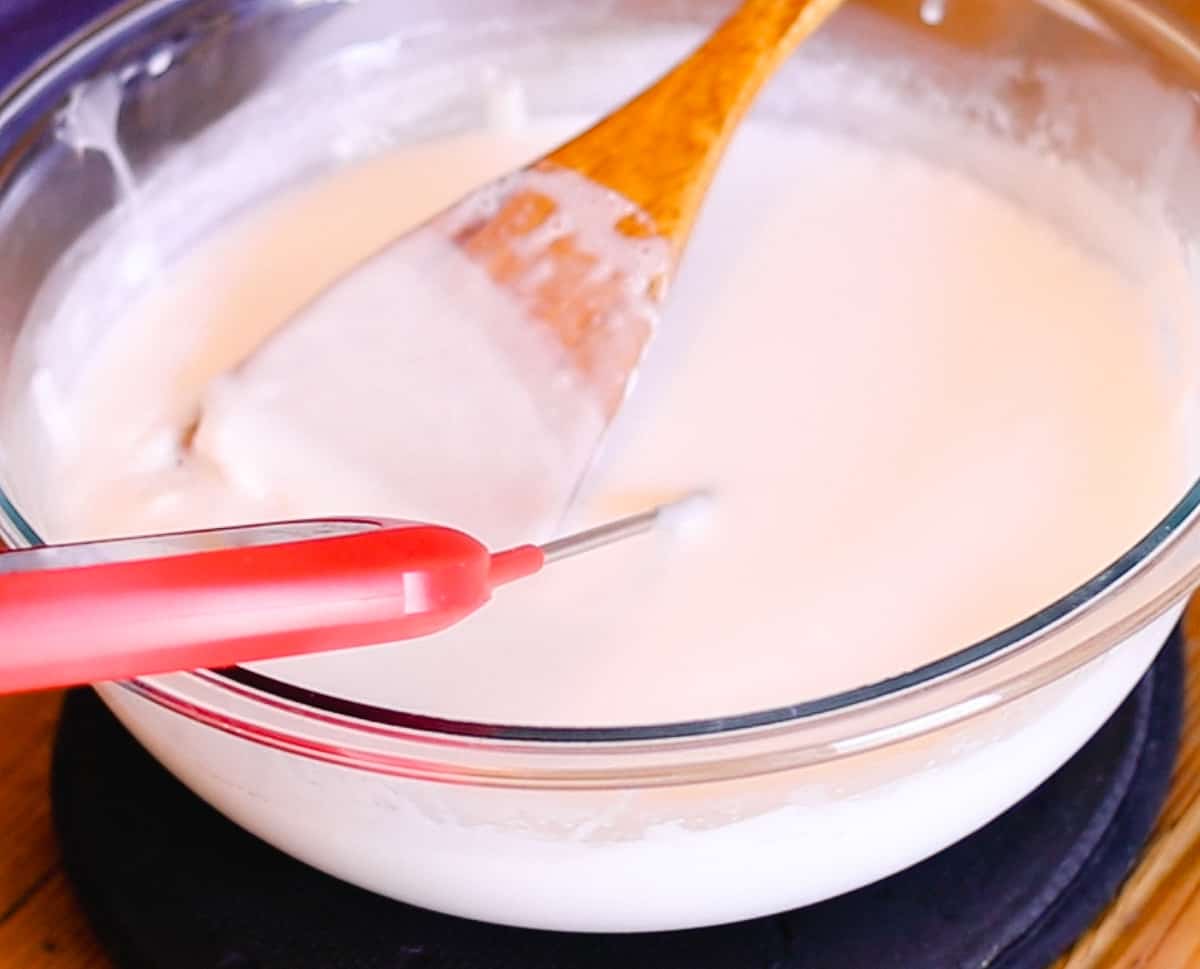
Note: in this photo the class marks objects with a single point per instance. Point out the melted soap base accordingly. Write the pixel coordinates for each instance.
(925, 413)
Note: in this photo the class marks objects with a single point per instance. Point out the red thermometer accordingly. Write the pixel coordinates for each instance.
(109, 610)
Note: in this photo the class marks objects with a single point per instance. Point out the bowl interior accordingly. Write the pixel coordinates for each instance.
(1028, 88)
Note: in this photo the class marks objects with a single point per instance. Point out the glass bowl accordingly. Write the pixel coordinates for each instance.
(644, 826)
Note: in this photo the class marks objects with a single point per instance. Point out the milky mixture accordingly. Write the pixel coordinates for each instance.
(926, 412)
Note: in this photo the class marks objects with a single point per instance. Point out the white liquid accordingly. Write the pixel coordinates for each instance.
(933, 12)
(946, 436)
(904, 389)
(89, 123)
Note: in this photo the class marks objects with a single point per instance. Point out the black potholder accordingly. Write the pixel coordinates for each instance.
(171, 884)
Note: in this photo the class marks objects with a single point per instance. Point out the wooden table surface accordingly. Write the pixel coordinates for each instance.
(1154, 924)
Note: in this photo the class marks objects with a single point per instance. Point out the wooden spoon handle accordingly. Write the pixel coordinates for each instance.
(661, 150)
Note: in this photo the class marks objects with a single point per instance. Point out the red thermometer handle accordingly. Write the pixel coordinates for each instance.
(113, 610)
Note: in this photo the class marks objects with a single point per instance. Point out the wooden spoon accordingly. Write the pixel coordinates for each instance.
(581, 244)
(588, 238)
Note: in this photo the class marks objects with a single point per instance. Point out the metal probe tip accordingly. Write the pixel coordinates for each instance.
(684, 516)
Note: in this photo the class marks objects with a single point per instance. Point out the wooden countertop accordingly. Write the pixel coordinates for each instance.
(1155, 924)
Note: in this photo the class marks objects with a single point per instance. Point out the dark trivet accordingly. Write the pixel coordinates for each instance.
(170, 884)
